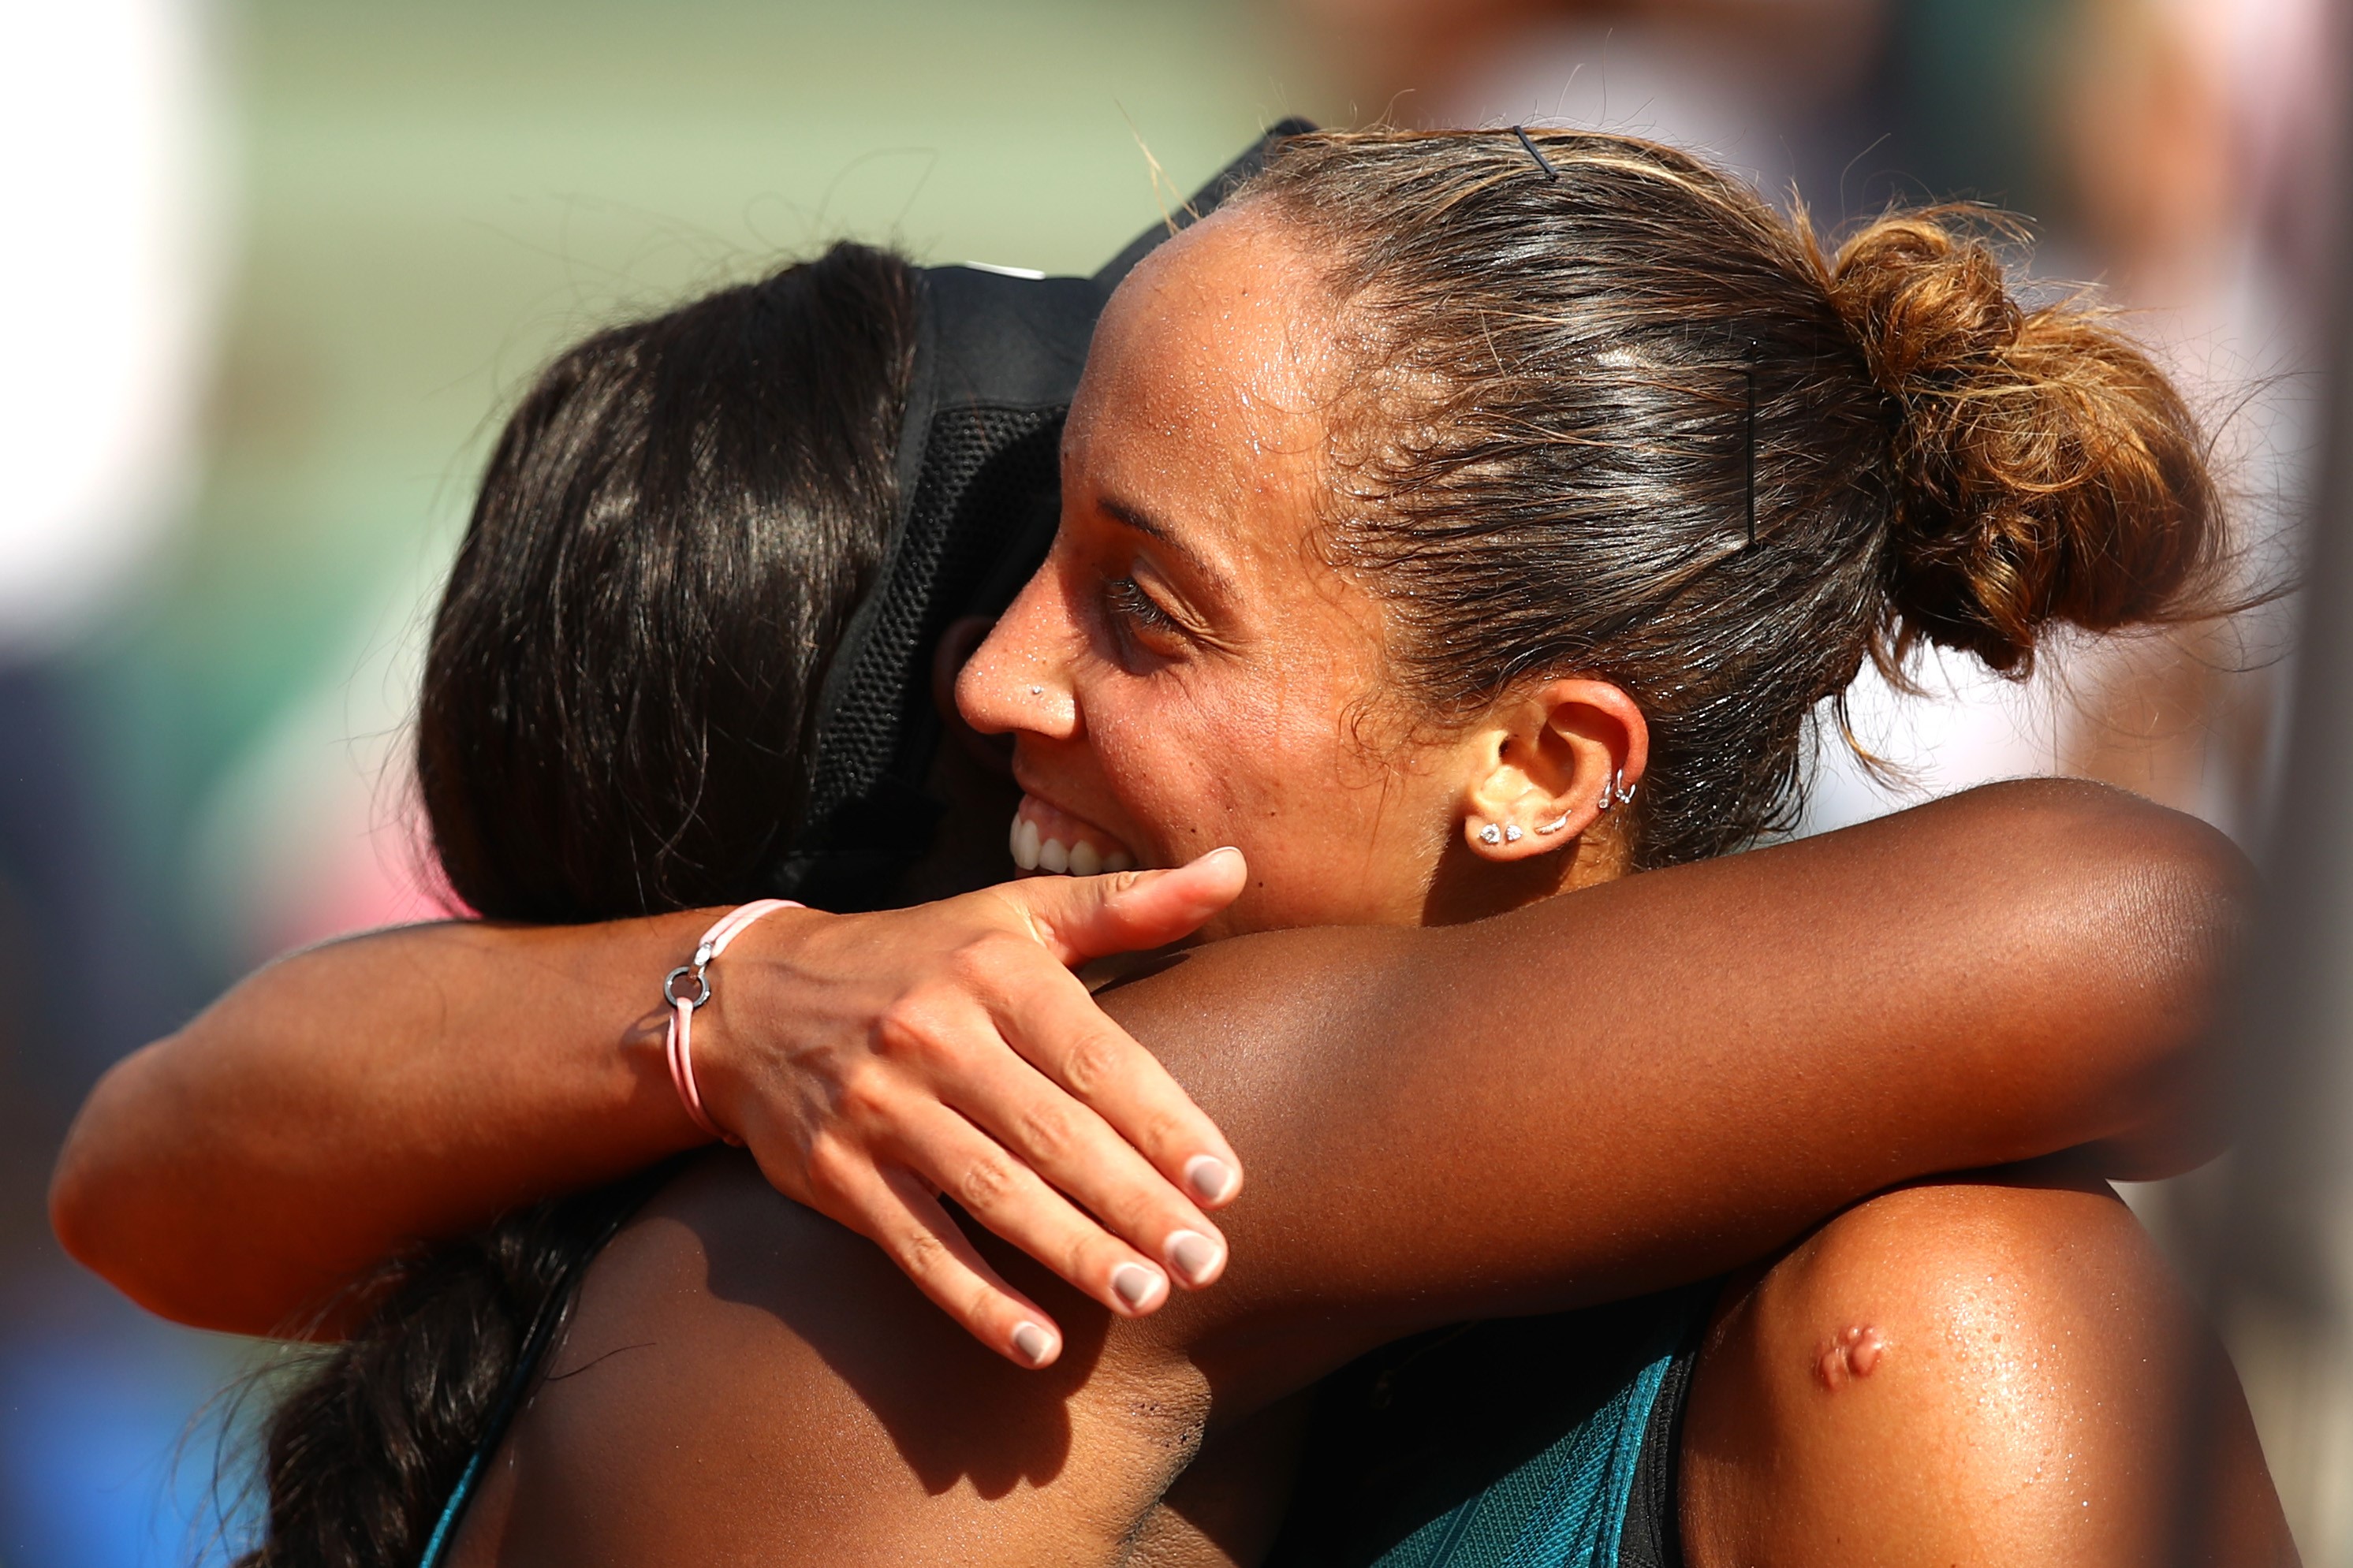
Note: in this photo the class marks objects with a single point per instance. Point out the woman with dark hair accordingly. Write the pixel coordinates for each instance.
(1638, 1124)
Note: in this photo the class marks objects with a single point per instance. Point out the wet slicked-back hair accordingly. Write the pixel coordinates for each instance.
(1578, 389)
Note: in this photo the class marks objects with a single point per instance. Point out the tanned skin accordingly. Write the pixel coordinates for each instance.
(357, 1099)
(745, 1381)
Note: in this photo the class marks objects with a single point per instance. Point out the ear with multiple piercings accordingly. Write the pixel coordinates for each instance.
(1617, 791)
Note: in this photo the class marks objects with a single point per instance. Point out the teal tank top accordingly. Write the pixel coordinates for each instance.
(1525, 1442)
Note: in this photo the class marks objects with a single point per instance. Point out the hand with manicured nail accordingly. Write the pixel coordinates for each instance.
(875, 1064)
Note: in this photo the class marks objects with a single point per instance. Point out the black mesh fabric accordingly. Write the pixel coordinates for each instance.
(983, 513)
(985, 495)
(996, 362)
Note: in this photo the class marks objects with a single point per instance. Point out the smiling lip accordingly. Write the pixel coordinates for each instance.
(1048, 840)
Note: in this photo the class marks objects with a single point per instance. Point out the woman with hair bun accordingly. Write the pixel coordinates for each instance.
(1455, 525)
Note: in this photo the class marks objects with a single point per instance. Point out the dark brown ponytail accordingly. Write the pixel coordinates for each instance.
(363, 1453)
(673, 527)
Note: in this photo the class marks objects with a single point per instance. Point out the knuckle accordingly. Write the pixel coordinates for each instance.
(830, 1163)
(1047, 1132)
(864, 1098)
(1090, 1065)
(1150, 1213)
(983, 1182)
(1082, 1257)
(982, 1305)
(921, 1254)
(1160, 1129)
(987, 955)
(908, 1030)
(867, 1090)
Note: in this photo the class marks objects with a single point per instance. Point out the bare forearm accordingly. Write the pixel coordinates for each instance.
(1655, 1080)
(350, 1099)
(1720, 1054)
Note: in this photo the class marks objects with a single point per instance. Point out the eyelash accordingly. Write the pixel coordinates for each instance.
(1129, 599)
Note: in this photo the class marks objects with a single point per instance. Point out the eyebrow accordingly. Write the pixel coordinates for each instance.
(1130, 515)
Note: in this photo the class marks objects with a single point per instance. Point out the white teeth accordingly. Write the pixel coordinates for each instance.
(1033, 851)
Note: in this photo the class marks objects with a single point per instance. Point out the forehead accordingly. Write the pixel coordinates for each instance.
(1211, 356)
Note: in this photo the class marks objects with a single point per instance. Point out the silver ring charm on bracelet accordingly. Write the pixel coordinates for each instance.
(670, 986)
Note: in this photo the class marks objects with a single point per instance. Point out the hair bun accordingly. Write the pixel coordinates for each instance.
(2046, 470)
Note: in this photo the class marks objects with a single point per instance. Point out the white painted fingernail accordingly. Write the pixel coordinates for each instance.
(1193, 1255)
(1138, 1286)
(1211, 1178)
(1034, 1344)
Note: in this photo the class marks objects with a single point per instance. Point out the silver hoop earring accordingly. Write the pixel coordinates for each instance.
(1543, 827)
(1624, 791)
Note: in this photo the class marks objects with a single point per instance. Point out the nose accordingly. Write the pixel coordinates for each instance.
(1019, 680)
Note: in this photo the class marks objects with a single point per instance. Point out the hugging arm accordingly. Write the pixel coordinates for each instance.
(1621, 1088)
(351, 1102)
(1665, 1077)
(2013, 972)
(348, 1100)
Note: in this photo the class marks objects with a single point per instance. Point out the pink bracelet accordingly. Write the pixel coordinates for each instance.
(681, 1045)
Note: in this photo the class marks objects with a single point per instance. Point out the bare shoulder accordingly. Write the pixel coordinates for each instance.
(1997, 1368)
(743, 1380)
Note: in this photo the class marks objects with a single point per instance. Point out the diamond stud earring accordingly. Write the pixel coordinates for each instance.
(1490, 834)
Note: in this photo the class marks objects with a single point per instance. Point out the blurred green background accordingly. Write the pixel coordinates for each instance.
(390, 215)
(435, 198)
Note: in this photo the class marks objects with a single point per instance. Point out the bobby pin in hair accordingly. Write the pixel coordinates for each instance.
(1541, 161)
(1748, 445)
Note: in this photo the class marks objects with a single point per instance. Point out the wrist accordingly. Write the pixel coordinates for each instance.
(744, 1000)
